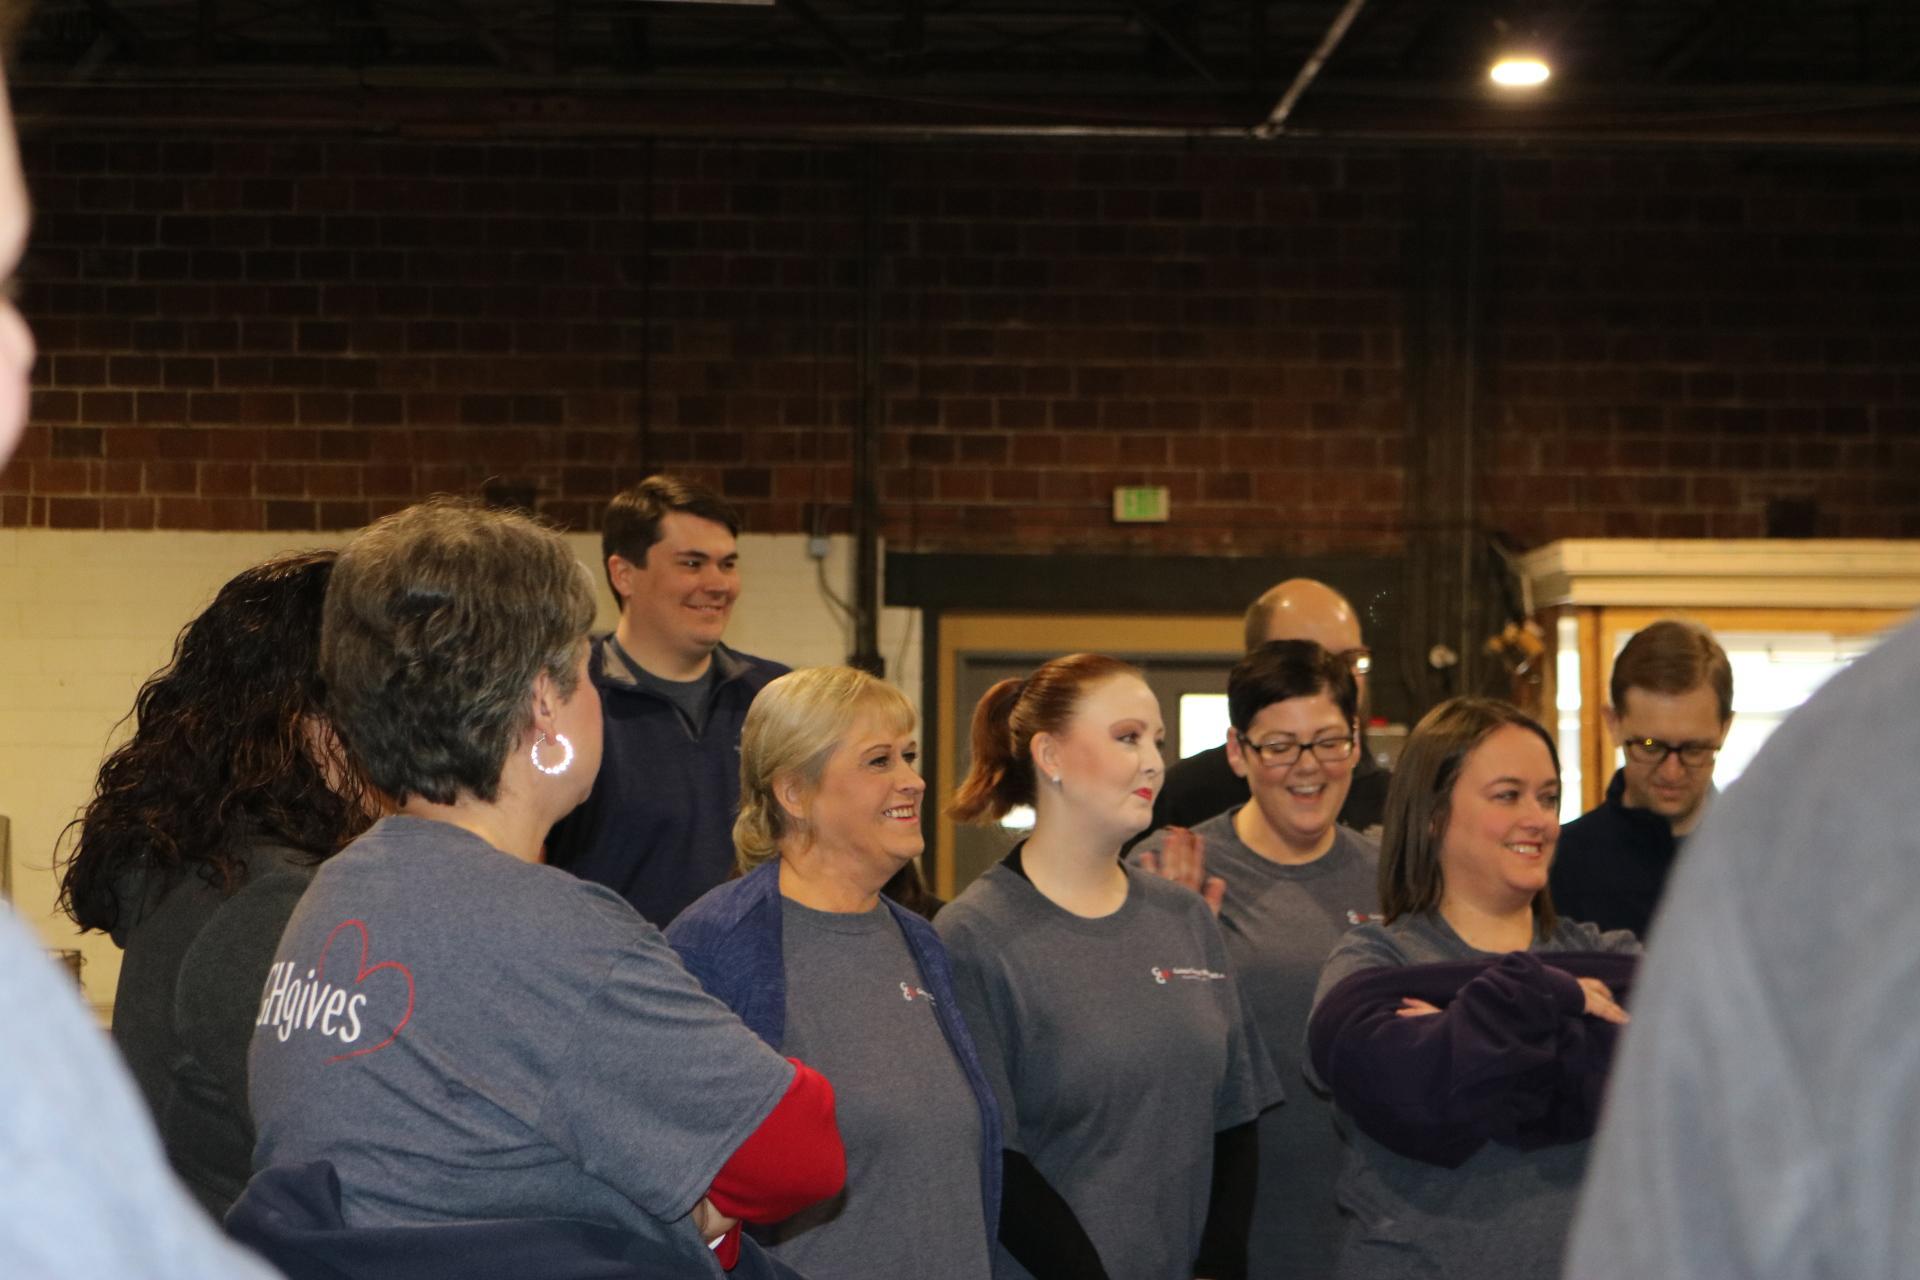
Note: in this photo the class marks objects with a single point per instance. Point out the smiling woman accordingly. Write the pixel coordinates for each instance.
(1290, 882)
(815, 960)
(1108, 1021)
(1469, 1065)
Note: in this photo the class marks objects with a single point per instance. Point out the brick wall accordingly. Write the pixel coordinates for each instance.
(242, 333)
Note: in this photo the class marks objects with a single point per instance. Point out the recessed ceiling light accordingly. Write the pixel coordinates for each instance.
(1519, 71)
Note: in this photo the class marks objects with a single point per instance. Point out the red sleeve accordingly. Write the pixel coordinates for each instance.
(792, 1160)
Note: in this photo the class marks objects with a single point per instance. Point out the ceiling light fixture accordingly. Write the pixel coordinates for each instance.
(1519, 71)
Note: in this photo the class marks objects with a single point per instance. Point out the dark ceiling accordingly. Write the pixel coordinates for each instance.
(1821, 72)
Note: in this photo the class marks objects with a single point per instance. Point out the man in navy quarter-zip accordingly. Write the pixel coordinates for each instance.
(658, 828)
(1672, 704)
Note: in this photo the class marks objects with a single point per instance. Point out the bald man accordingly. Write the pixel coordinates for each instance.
(1298, 609)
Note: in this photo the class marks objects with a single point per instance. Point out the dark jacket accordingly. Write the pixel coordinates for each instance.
(730, 940)
(290, 1214)
(1511, 1058)
(658, 827)
(184, 1011)
(1204, 785)
(1612, 864)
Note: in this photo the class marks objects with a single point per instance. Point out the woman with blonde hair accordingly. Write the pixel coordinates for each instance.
(1468, 1038)
(815, 959)
(1126, 1068)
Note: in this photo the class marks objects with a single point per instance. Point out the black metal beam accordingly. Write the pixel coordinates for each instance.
(1175, 40)
(826, 30)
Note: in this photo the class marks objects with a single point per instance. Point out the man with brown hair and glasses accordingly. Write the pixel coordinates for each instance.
(1205, 784)
(1672, 691)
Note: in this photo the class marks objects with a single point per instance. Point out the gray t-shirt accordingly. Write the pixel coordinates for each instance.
(1503, 1212)
(1765, 1110)
(465, 1035)
(693, 698)
(86, 1188)
(859, 1013)
(1281, 921)
(1117, 1048)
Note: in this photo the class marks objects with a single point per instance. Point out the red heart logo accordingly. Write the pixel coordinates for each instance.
(365, 970)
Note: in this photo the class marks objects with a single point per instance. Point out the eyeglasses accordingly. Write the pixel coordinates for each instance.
(1360, 660)
(1655, 752)
(1284, 754)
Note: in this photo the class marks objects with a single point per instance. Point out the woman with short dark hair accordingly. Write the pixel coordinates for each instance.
(809, 951)
(461, 1033)
(1468, 1038)
(1291, 881)
(203, 831)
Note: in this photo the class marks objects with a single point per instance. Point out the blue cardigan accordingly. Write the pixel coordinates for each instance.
(730, 940)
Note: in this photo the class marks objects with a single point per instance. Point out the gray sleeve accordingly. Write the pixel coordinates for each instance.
(217, 993)
(986, 1007)
(1251, 1084)
(1618, 941)
(1709, 1161)
(661, 1084)
(87, 1190)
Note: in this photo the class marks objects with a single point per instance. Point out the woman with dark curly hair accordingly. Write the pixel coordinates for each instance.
(201, 835)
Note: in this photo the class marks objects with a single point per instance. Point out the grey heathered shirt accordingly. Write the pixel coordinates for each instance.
(691, 697)
(1502, 1215)
(1281, 922)
(859, 1014)
(1765, 1111)
(1117, 1048)
(465, 1035)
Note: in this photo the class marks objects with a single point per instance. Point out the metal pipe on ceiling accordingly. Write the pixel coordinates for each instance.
(1276, 121)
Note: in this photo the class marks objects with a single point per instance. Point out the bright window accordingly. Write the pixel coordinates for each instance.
(1203, 722)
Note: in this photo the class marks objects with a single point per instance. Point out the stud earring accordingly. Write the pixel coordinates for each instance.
(566, 760)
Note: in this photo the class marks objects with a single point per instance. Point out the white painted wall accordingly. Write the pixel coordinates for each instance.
(85, 618)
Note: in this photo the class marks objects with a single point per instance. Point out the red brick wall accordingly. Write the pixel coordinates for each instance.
(1680, 340)
(241, 333)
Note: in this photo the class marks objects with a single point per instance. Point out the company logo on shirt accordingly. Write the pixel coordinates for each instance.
(1162, 975)
(292, 1001)
(910, 993)
(1365, 917)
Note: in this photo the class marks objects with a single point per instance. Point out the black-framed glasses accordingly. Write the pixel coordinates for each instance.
(1654, 752)
(1283, 753)
(1359, 660)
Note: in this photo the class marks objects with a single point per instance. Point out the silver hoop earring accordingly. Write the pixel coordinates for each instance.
(566, 760)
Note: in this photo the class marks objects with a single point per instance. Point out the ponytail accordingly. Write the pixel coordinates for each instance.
(1011, 713)
(1001, 775)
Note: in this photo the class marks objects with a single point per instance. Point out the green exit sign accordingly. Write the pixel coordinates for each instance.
(1141, 504)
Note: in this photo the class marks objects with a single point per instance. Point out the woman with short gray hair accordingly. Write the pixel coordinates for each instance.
(460, 1032)
(817, 960)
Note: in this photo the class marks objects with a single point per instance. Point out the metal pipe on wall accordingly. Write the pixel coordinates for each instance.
(866, 433)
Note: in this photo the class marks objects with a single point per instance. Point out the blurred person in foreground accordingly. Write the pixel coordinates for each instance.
(76, 1205)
